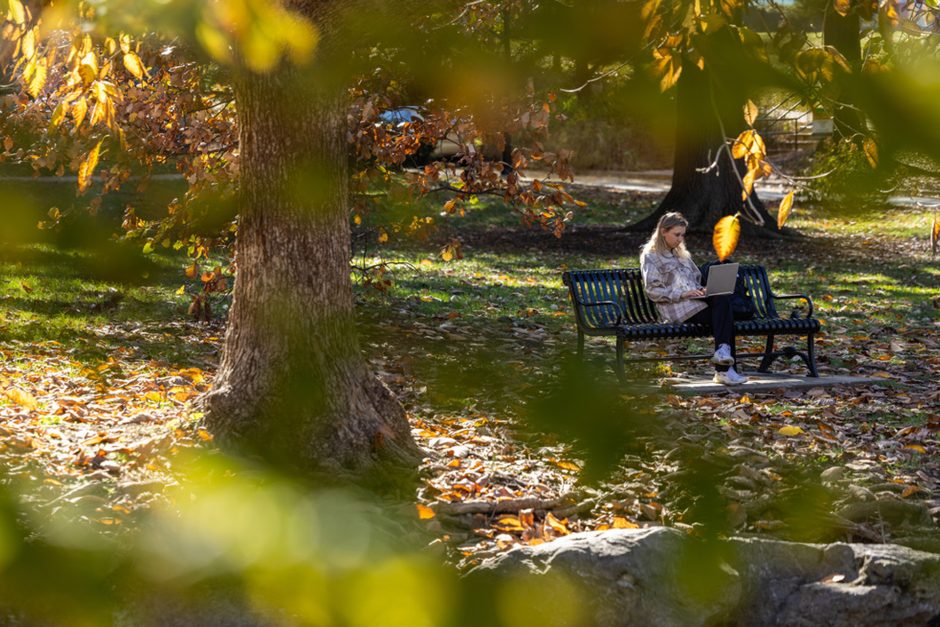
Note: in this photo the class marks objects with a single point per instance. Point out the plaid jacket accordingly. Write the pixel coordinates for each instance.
(666, 278)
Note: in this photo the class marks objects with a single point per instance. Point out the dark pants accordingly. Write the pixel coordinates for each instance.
(721, 319)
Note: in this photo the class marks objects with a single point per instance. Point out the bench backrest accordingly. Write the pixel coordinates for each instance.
(623, 288)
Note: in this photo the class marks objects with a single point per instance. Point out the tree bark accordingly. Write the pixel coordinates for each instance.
(293, 385)
(843, 32)
(703, 197)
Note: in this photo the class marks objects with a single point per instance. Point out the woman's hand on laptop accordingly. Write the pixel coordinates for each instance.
(694, 293)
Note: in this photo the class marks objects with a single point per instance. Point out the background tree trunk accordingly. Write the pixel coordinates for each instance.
(843, 32)
(293, 385)
(703, 198)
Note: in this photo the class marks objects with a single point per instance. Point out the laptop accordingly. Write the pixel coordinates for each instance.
(721, 280)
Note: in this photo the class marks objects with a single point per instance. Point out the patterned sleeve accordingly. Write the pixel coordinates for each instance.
(696, 271)
(657, 283)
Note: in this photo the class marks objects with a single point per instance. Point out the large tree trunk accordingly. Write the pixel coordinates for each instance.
(843, 32)
(293, 385)
(703, 197)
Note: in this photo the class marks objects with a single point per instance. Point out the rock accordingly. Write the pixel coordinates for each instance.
(892, 511)
(110, 466)
(139, 418)
(442, 442)
(859, 493)
(132, 488)
(664, 577)
(630, 573)
(831, 475)
(461, 450)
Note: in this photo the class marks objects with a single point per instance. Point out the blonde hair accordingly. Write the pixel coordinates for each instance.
(656, 242)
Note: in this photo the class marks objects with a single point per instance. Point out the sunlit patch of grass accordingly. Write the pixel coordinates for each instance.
(69, 295)
(889, 221)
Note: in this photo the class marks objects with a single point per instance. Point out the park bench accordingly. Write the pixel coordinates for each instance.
(614, 303)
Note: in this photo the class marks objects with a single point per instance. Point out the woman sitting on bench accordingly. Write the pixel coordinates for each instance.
(674, 283)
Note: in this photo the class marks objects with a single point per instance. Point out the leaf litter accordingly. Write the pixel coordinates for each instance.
(104, 435)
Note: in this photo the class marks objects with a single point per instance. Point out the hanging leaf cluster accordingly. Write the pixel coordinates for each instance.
(749, 145)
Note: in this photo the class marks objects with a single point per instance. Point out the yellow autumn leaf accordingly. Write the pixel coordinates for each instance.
(726, 235)
(842, 7)
(22, 398)
(510, 523)
(88, 69)
(917, 448)
(58, 115)
(134, 65)
(181, 290)
(750, 112)
(783, 211)
(871, 152)
(790, 430)
(17, 11)
(154, 396)
(890, 13)
(622, 523)
(87, 167)
(565, 465)
(28, 44)
(447, 253)
(79, 109)
(38, 80)
(748, 183)
(667, 66)
(424, 512)
(742, 144)
(383, 236)
(558, 526)
(935, 235)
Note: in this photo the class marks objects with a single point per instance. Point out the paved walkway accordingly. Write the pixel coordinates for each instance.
(659, 181)
(650, 181)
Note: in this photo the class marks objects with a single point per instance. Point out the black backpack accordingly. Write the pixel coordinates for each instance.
(741, 304)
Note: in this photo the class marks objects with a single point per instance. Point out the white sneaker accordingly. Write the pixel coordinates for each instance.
(729, 377)
(722, 356)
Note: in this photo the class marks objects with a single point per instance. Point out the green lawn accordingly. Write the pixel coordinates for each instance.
(479, 351)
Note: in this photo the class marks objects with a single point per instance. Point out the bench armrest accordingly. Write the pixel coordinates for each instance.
(807, 298)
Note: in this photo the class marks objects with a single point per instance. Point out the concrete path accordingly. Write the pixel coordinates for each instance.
(649, 181)
(659, 181)
(760, 382)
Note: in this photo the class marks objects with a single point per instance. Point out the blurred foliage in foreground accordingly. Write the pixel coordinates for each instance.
(236, 545)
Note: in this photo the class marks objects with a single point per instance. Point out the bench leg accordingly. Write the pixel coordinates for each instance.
(621, 375)
(768, 355)
(811, 355)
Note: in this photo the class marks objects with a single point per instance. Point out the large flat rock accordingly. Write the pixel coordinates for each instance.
(661, 577)
(762, 382)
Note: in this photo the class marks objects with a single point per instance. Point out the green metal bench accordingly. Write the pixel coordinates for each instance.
(614, 303)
